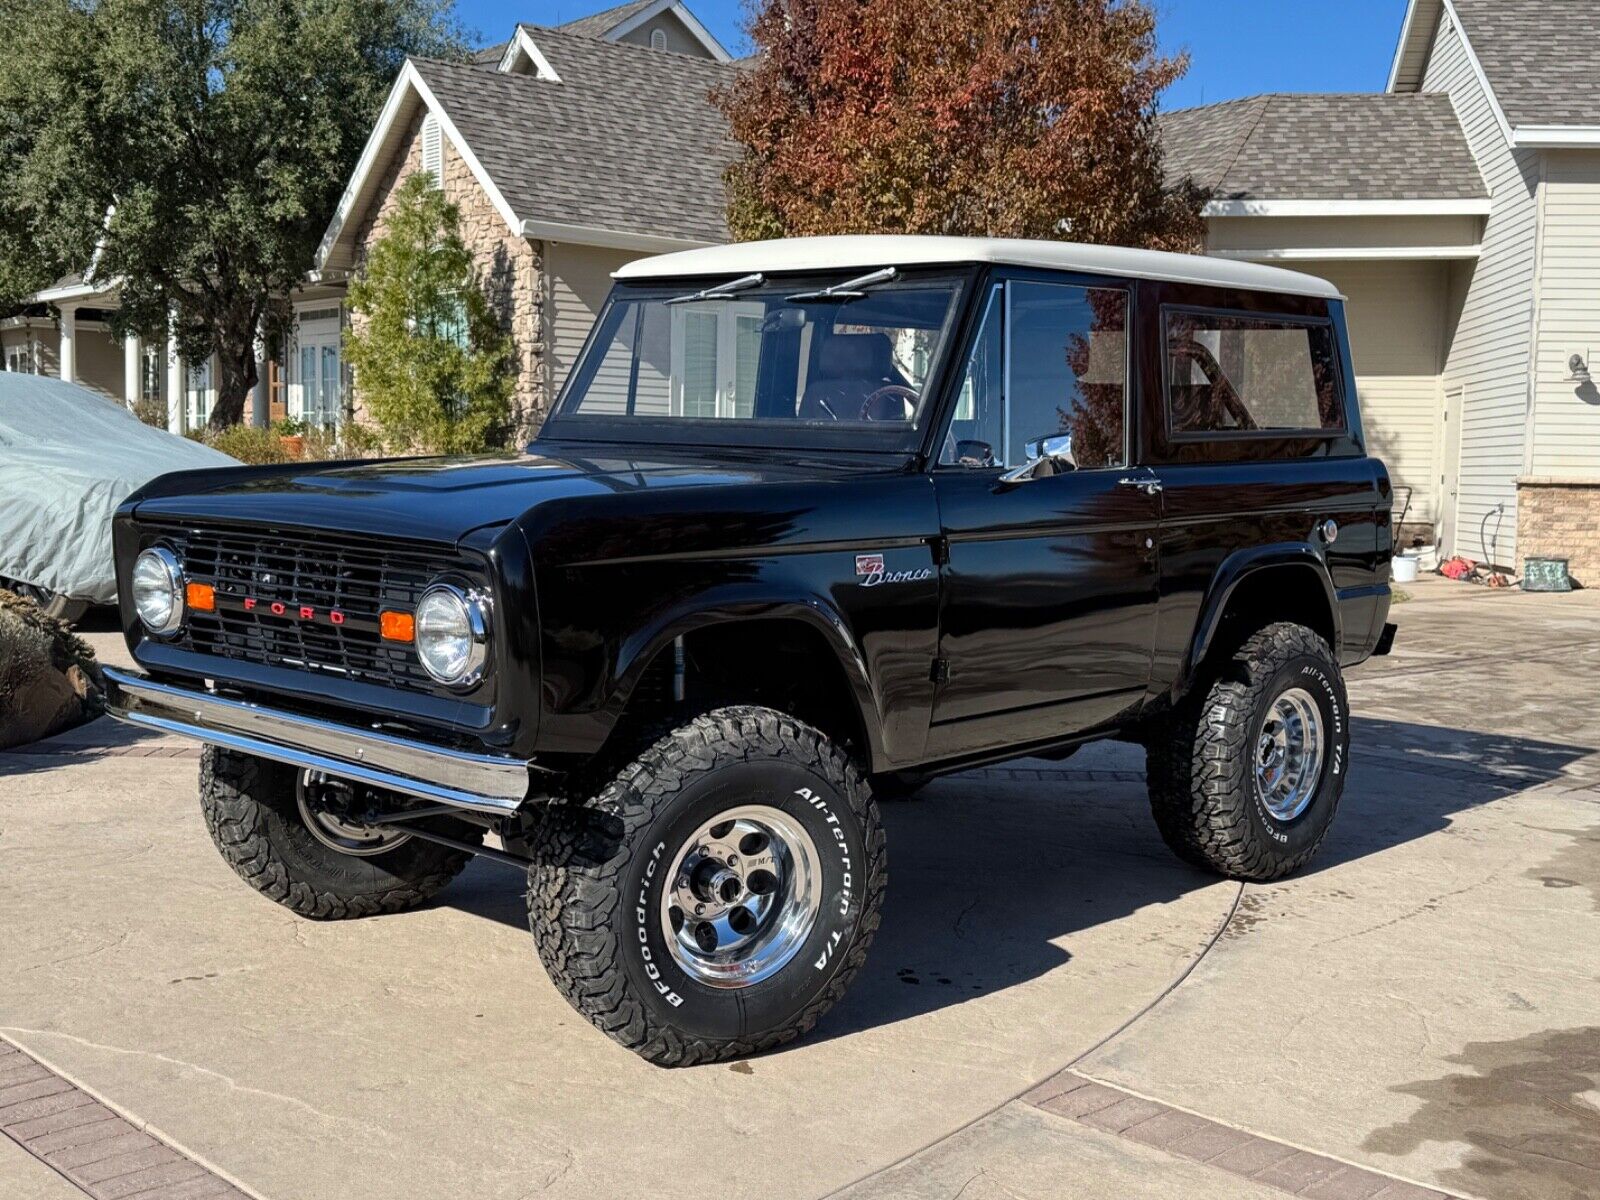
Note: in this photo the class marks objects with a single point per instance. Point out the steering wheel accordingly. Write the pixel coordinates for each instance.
(870, 407)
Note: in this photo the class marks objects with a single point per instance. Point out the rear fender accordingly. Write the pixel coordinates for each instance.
(1246, 567)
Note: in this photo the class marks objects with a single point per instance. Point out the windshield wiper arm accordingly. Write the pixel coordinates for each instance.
(723, 291)
(850, 289)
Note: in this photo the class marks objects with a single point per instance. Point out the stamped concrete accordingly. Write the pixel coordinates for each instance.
(1420, 1004)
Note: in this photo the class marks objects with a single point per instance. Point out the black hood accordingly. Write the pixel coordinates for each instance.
(443, 499)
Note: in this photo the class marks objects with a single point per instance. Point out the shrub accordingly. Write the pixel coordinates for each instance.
(430, 358)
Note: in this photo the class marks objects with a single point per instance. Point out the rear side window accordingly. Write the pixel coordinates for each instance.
(1232, 374)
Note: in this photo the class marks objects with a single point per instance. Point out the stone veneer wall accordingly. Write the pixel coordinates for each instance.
(511, 269)
(1560, 518)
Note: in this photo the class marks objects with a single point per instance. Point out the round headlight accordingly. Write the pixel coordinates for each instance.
(452, 635)
(158, 590)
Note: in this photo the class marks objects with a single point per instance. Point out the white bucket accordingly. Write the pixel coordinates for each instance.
(1405, 568)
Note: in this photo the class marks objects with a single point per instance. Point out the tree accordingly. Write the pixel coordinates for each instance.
(1002, 118)
(429, 355)
(193, 150)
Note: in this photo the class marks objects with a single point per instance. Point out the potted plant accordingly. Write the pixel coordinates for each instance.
(292, 433)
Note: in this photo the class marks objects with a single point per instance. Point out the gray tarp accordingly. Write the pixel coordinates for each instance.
(68, 457)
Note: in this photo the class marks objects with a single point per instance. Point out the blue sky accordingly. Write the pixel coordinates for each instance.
(1239, 47)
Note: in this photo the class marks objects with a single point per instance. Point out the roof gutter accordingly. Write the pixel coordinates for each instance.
(613, 239)
(1556, 137)
(1471, 207)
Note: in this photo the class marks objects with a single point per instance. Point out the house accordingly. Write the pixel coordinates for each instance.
(569, 151)
(1459, 211)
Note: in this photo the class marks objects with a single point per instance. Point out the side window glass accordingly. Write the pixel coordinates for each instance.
(976, 431)
(1068, 372)
(1240, 374)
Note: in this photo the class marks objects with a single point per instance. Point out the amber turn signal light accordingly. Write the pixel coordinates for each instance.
(201, 597)
(397, 626)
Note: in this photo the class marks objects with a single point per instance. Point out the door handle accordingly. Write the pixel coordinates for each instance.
(1150, 487)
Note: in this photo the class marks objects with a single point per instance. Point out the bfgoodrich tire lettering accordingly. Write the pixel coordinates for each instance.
(1202, 764)
(601, 867)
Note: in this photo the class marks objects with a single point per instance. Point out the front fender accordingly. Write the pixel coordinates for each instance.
(1243, 566)
(734, 605)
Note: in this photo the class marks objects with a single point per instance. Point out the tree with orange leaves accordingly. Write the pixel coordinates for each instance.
(999, 118)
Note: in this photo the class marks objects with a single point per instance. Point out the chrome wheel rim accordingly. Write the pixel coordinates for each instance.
(741, 897)
(335, 831)
(1289, 754)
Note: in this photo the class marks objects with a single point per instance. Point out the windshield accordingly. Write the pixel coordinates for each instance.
(767, 353)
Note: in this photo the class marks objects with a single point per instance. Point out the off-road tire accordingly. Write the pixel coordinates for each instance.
(1201, 768)
(592, 898)
(253, 815)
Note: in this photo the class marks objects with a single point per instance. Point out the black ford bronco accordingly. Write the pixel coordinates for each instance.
(811, 522)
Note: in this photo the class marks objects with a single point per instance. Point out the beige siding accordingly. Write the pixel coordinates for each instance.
(1490, 352)
(1397, 316)
(580, 279)
(1332, 233)
(1566, 426)
(679, 40)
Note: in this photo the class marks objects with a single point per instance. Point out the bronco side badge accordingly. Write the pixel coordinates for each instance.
(873, 572)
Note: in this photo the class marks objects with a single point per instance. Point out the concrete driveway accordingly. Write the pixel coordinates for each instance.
(1055, 1007)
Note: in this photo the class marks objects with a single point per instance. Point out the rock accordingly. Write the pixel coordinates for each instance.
(49, 680)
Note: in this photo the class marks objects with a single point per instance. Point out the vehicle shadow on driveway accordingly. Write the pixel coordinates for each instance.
(992, 873)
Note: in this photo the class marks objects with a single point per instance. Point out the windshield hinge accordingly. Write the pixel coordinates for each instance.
(941, 550)
(941, 671)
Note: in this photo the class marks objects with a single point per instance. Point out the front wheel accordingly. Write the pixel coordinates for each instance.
(298, 839)
(1245, 776)
(718, 895)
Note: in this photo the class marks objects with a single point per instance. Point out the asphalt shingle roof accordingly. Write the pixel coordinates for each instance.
(601, 23)
(1356, 146)
(628, 140)
(1542, 57)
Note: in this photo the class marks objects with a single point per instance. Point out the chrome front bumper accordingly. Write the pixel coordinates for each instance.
(477, 781)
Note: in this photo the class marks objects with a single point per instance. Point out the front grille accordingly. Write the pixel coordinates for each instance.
(309, 601)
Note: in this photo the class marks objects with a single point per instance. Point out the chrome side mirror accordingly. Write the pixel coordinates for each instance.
(1046, 457)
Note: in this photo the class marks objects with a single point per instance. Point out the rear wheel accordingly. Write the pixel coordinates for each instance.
(1245, 777)
(717, 895)
(298, 839)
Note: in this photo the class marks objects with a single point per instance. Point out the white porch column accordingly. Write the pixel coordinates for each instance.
(175, 383)
(69, 343)
(259, 410)
(132, 373)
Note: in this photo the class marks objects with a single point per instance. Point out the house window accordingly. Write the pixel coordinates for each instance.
(433, 149)
(197, 396)
(317, 389)
(23, 359)
(658, 39)
(151, 364)
(717, 355)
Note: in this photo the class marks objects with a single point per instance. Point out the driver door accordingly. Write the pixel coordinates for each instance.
(1050, 591)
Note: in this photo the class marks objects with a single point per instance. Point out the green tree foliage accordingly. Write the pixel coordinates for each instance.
(217, 135)
(430, 358)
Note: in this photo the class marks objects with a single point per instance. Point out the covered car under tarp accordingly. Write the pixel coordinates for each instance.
(68, 457)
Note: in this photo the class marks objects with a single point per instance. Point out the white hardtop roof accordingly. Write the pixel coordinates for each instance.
(865, 253)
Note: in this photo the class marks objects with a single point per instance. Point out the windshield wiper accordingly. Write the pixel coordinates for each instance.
(850, 289)
(723, 291)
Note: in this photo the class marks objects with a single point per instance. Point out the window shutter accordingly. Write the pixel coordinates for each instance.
(433, 149)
